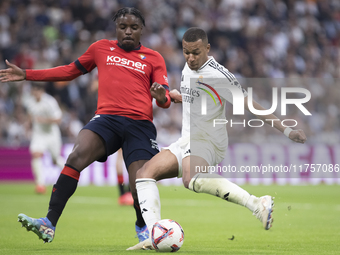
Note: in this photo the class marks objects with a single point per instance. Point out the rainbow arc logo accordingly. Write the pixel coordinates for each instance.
(209, 93)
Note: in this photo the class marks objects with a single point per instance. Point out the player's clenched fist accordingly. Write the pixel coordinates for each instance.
(298, 136)
(176, 97)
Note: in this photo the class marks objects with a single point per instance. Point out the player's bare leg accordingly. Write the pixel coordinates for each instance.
(216, 185)
(88, 148)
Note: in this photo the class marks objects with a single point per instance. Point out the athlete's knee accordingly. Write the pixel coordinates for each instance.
(72, 158)
(138, 173)
(141, 173)
(145, 172)
(76, 160)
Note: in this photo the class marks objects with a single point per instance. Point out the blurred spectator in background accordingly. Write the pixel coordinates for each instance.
(45, 116)
(279, 41)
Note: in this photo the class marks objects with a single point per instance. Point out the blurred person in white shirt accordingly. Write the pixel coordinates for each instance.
(45, 115)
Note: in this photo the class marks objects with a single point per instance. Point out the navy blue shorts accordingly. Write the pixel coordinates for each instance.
(137, 138)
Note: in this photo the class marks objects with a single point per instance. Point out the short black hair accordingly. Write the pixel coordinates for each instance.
(129, 10)
(193, 34)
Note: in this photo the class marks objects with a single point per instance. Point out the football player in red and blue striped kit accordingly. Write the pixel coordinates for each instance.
(130, 76)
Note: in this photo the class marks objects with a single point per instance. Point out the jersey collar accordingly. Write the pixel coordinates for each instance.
(137, 48)
(210, 58)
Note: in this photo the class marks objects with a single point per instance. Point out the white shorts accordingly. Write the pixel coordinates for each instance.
(43, 143)
(202, 148)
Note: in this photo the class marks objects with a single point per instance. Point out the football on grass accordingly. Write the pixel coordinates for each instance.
(167, 236)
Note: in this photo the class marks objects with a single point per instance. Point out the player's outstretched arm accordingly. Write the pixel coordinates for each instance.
(176, 97)
(297, 136)
(12, 73)
(59, 73)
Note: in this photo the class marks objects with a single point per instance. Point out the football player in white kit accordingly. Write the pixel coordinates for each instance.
(198, 145)
(45, 115)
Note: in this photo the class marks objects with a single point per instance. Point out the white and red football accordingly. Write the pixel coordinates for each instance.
(167, 236)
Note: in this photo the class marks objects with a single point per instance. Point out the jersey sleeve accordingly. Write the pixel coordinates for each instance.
(59, 73)
(227, 89)
(159, 73)
(84, 64)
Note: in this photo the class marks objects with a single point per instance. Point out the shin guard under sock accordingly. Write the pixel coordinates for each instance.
(149, 199)
(62, 191)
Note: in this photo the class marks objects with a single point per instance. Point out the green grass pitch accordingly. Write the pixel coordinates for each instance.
(306, 221)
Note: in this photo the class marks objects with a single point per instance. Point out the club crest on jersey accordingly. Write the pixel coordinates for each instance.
(142, 56)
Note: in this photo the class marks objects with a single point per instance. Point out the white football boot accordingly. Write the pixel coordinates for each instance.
(264, 211)
(144, 245)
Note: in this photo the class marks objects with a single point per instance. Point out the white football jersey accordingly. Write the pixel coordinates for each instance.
(47, 107)
(204, 95)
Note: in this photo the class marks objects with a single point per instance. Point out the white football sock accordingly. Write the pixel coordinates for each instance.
(216, 185)
(37, 168)
(149, 201)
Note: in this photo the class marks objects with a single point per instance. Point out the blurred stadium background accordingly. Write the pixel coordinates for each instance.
(274, 40)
